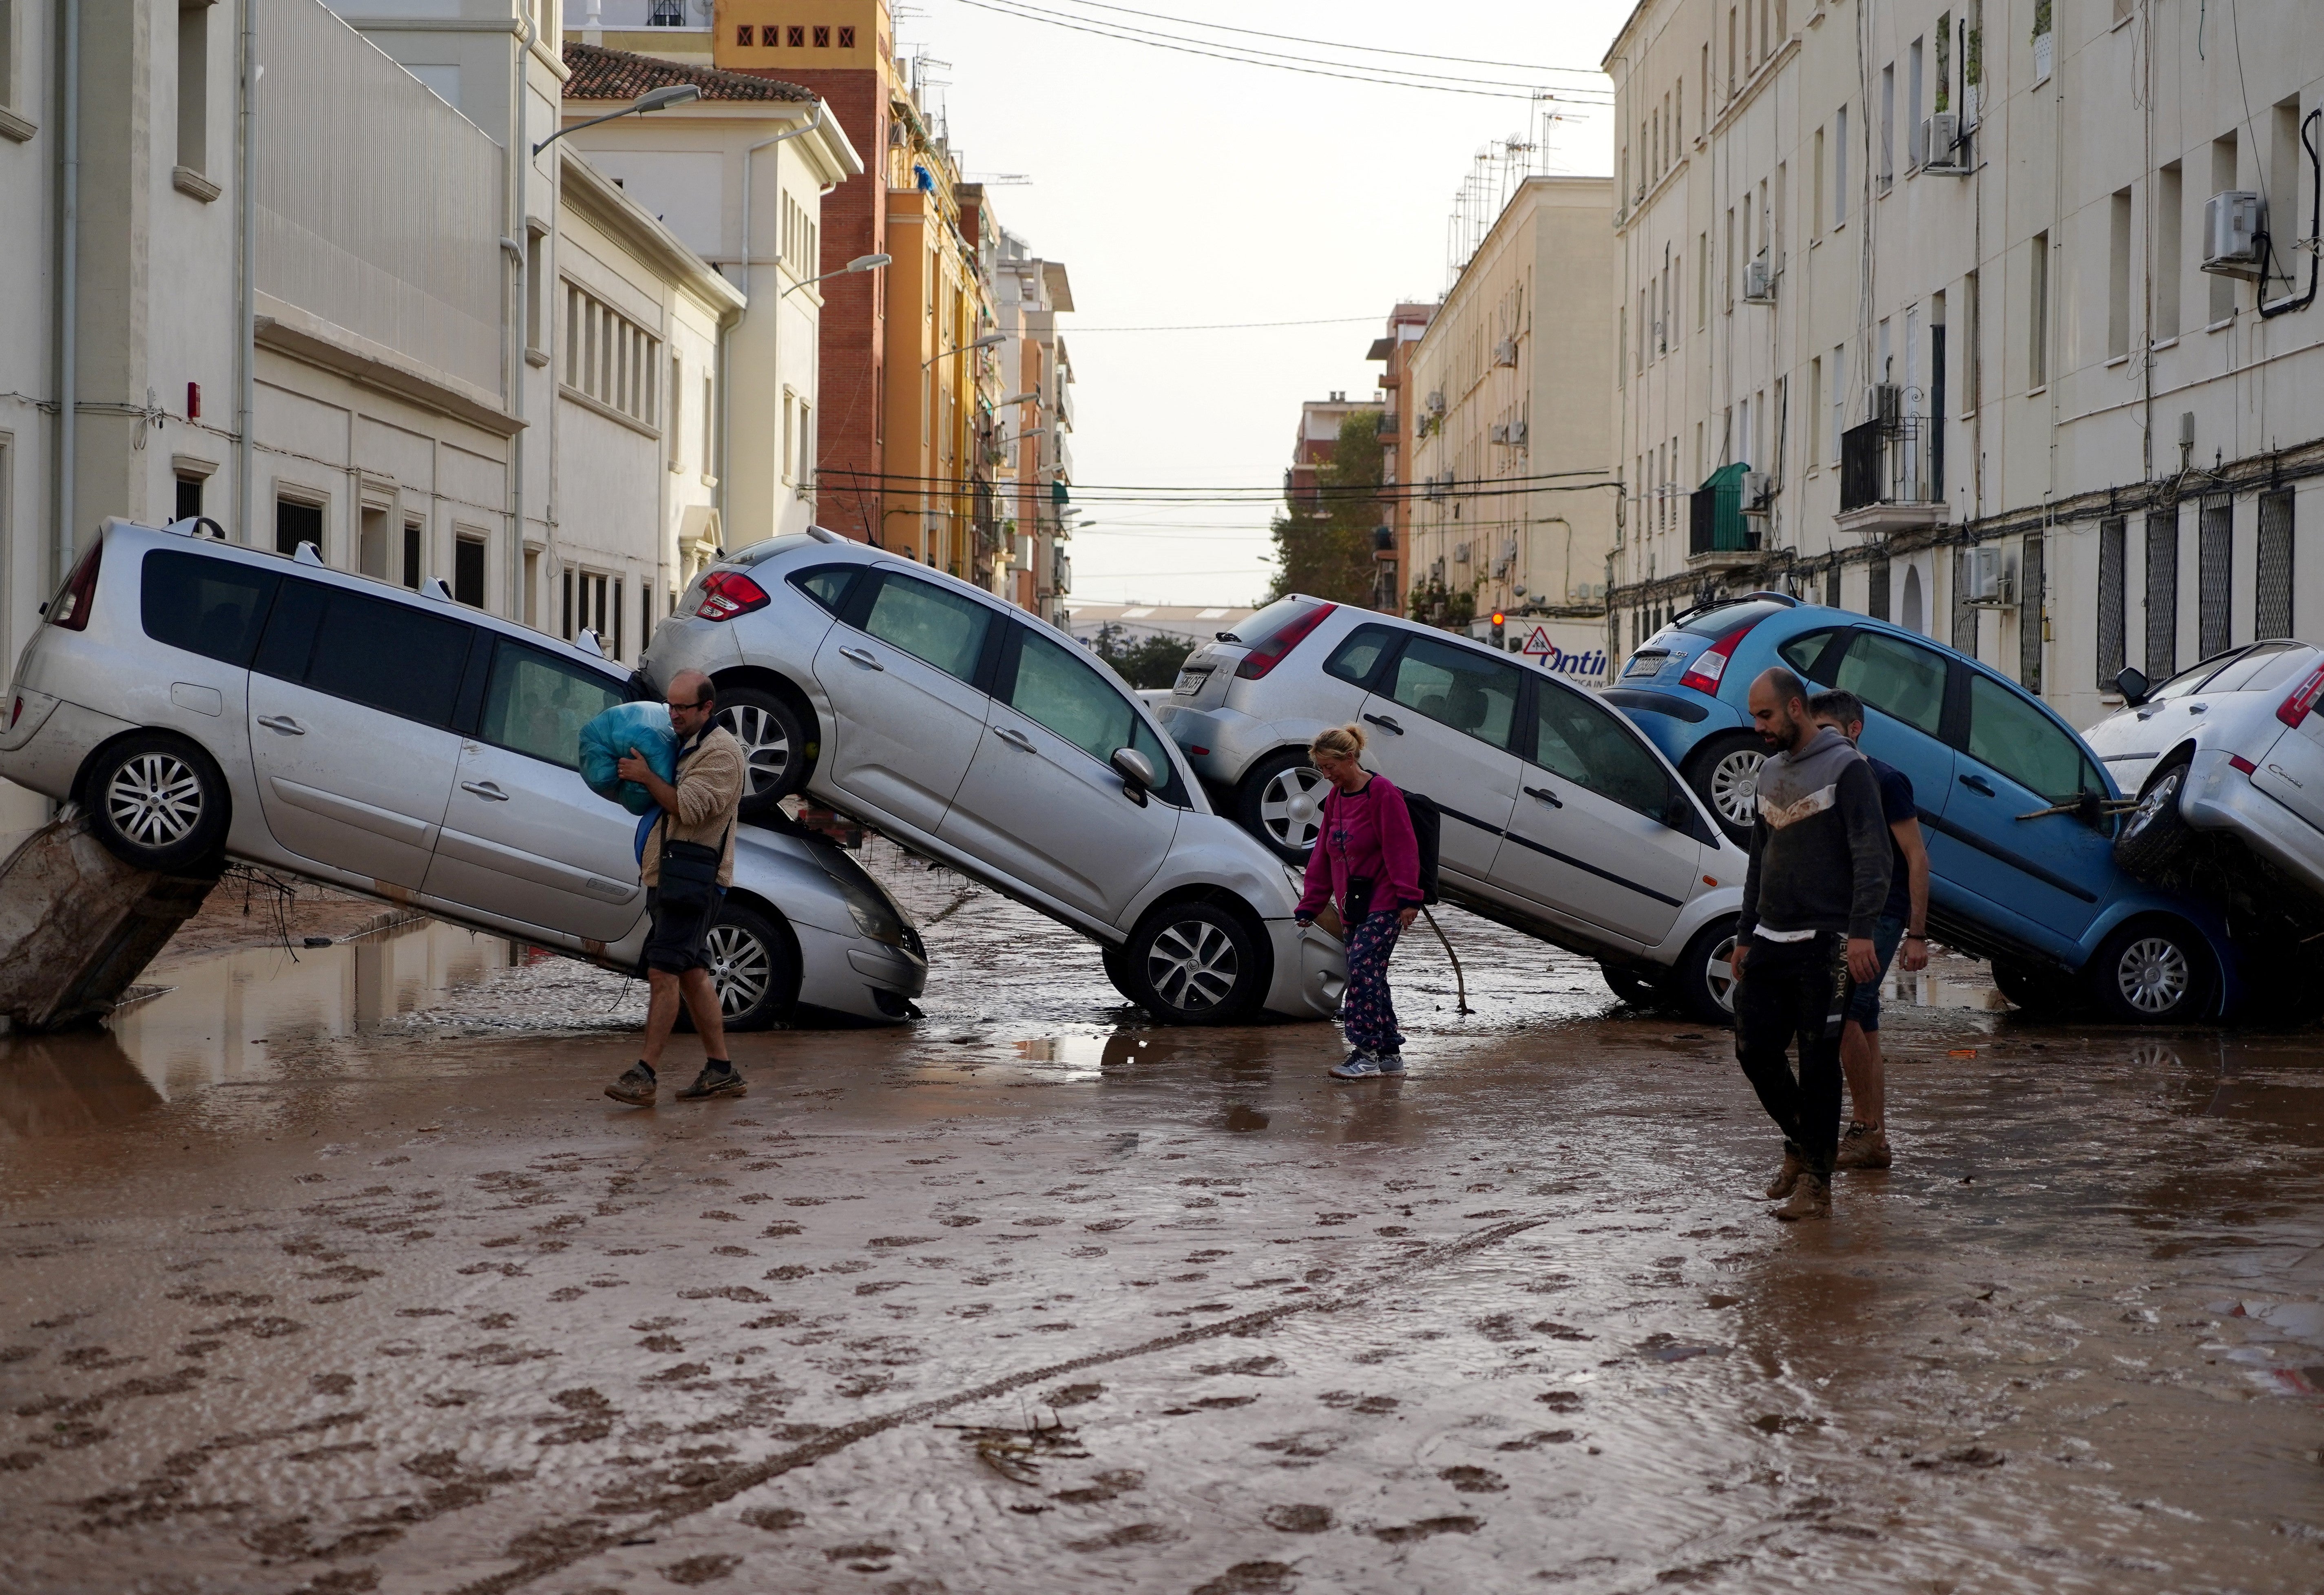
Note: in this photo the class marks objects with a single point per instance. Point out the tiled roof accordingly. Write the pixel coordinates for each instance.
(602, 74)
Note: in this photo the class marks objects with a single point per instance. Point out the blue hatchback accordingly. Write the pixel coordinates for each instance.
(2021, 847)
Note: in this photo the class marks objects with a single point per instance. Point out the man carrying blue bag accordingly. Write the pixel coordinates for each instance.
(687, 863)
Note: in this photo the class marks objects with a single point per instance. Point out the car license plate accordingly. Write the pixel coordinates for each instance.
(1644, 664)
(1190, 682)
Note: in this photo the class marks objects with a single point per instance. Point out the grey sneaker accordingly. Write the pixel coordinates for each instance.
(1358, 1066)
(636, 1087)
(718, 1079)
(1390, 1062)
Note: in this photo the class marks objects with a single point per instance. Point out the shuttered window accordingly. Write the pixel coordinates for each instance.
(2214, 553)
(2272, 606)
(2162, 594)
(610, 358)
(2112, 643)
(2029, 614)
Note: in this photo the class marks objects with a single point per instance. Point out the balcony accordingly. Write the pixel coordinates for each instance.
(1891, 476)
(1718, 534)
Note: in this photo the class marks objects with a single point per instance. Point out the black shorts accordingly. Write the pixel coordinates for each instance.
(674, 941)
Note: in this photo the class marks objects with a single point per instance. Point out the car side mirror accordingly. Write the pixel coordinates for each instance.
(1136, 773)
(2132, 683)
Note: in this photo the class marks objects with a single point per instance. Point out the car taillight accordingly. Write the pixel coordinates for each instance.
(72, 608)
(2295, 708)
(1269, 654)
(1710, 665)
(726, 594)
(2237, 762)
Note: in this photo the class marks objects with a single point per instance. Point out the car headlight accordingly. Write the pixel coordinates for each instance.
(875, 914)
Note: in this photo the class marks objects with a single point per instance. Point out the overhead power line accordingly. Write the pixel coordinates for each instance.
(1328, 44)
(1219, 326)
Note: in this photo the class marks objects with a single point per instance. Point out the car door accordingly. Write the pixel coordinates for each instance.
(352, 703)
(2013, 759)
(524, 838)
(1903, 686)
(1589, 839)
(1443, 724)
(1043, 803)
(907, 716)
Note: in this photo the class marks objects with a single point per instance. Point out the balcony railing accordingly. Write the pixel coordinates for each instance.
(1885, 463)
(1716, 523)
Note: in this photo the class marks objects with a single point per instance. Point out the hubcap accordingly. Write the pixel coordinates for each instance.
(1291, 806)
(766, 746)
(1718, 973)
(740, 968)
(154, 799)
(2153, 975)
(1191, 966)
(2164, 796)
(1735, 786)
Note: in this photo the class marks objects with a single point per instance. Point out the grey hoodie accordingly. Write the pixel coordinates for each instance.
(1820, 853)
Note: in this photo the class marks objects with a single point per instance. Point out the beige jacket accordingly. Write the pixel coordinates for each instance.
(709, 793)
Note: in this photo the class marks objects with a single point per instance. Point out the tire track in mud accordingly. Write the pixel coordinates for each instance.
(835, 1441)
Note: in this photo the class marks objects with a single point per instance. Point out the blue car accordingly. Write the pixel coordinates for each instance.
(2013, 804)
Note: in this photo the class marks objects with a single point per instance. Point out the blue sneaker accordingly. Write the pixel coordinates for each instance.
(1358, 1066)
(1389, 1062)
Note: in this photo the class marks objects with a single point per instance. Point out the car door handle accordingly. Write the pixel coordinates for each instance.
(283, 724)
(864, 656)
(1010, 733)
(1384, 723)
(1978, 783)
(484, 789)
(1546, 796)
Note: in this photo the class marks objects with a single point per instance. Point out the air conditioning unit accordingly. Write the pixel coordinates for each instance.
(1884, 402)
(1499, 432)
(1758, 281)
(1460, 553)
(2232, 222)
(1505, 352)
(1991, 581)
(1946, 146)
(1517, 431)
(1758, 493)
(1437, 402)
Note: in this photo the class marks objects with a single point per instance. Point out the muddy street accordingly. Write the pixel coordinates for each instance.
(333, 1272)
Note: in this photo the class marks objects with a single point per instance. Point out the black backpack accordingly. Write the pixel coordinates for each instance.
(1427, 824)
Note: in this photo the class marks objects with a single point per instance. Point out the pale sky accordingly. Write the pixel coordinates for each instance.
(1179, 190)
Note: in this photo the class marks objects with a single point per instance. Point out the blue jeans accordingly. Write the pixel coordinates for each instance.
(1864, 1000)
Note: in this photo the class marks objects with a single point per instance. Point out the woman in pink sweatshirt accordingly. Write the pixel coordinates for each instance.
(1366, 858)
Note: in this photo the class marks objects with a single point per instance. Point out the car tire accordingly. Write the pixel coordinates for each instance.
(1724, 773)
(156, 801)
(755, 963)
(1196, 964)
(1631, 985)
(1281, 803)
(1702, 981)
(777, 750)
(2152, 972)
(1117, 970)
(2039, 993)
(2155, 833)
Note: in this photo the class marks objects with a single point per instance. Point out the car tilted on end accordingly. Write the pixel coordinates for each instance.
(194, 696)
(1559, 819)
(978, 737)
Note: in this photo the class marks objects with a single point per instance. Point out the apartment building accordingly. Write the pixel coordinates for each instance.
(1989, 317)
(1512, 465)
(1394, 348)
(1033, 420)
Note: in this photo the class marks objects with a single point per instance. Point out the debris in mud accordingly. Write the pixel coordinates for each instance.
(701, 1570)
(1961, 1461)
(1297, 1519)
(1016, 1454)
(1399, 1534)
(1250, 1578)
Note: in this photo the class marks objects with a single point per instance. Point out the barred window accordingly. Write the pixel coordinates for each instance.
(2113, 642)
(2029, 614)
(2272, 601)
(1832, 586)
(1876, 600)
(610, 358)
(2162, 594)
(2214, 571)
(1964, 613)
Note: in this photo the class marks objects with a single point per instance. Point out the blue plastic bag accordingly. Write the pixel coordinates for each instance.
(608, 738)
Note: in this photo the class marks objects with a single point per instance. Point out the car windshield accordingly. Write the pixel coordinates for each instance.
(1262, 628)
(1721, 619)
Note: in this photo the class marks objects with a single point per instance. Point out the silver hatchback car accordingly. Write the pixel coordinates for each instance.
(196, 697)
(977, 737)
(1560, 819)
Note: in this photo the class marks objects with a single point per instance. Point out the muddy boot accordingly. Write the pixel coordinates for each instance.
(718, 1079)
(1786, 1177)
(1865, 1145)
(1811, 1199)
(636, 1086)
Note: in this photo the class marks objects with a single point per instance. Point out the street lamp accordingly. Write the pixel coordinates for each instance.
(653, 99)
(986, 342)
(861, 262)
(1018, 398)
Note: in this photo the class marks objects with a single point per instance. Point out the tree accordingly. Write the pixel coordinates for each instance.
(1147, 662)
(1327, 551)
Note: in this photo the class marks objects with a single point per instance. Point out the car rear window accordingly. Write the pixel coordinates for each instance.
(1804, 652)
(2264, 669)
(828, 585)
(1262, 628)
(213, 607)
(1717, 623)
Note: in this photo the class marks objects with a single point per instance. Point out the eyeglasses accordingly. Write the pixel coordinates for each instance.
(696, 704)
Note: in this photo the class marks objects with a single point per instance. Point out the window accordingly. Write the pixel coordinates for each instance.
(296, 523)
(2264, 669)
(1816, 216)
(537, 704)
(2285, 185)
(1815, 408)
(1056, 688)
(610, 358)
(709, 409)
(2037, 316)
(468, 570)
(1876, 589)
(1915, 151)
(1888, 126)
(2008, 735)
(1972, 352)
(188, 502)
(796, 37)
(2168, 191)
(677, 412)
(414, 534)
(943, 628)
(823, 38)
(1359, 656)
(2112, 643)
(213, 607)
(2030, 578)
(1839, 167)
(193, 83)
(332, 641)
(2272, 603)
(1475, 695)
(1839, 398)
(667, 14)
(1898, 678)
(1702, 281)
(2161, 594)
(1805, 653)
(2215, 547)
(847, 38)
(2118, 275)
(2223, 177)
(1587, 745)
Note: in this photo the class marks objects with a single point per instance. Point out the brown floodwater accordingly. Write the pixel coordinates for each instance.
(338, 1274)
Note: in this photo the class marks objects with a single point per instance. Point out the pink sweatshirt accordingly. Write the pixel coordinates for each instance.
(1366, 835)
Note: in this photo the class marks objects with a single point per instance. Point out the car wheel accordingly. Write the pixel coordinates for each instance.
(1281, 803)
(776, 751)
(1704, 978)
(2038, 991)
(1196, 964)
(1631, 985)
(156, 801)
(1725, 773)
(2153, 973)
(2154, 833)
(755, 966)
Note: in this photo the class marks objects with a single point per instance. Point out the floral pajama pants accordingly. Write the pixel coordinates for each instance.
(1367, 1013)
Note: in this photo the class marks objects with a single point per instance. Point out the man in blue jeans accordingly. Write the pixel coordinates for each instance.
(1904, 919)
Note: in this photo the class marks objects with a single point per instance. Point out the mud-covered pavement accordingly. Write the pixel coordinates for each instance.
(341, 1276)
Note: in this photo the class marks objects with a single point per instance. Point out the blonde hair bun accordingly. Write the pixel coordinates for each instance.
(1342, 741)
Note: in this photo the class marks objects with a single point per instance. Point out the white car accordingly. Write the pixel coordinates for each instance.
(1559, 818)
(978, 737)
(2234, 746)
(195, 697)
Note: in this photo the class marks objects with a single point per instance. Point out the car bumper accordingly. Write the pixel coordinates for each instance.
(49, 758)
(1219, 743)
(848, 974)
(2220, 797)
(1311, 972)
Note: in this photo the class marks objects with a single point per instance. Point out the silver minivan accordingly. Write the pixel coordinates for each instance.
(195, 696)
(1559, 818)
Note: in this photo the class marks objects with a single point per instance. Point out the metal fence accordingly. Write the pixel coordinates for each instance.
(2273, 605)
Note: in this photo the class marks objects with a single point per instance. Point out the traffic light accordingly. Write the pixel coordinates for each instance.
(1500, 622)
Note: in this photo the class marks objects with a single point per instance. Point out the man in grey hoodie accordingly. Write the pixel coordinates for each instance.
(1813, 893)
